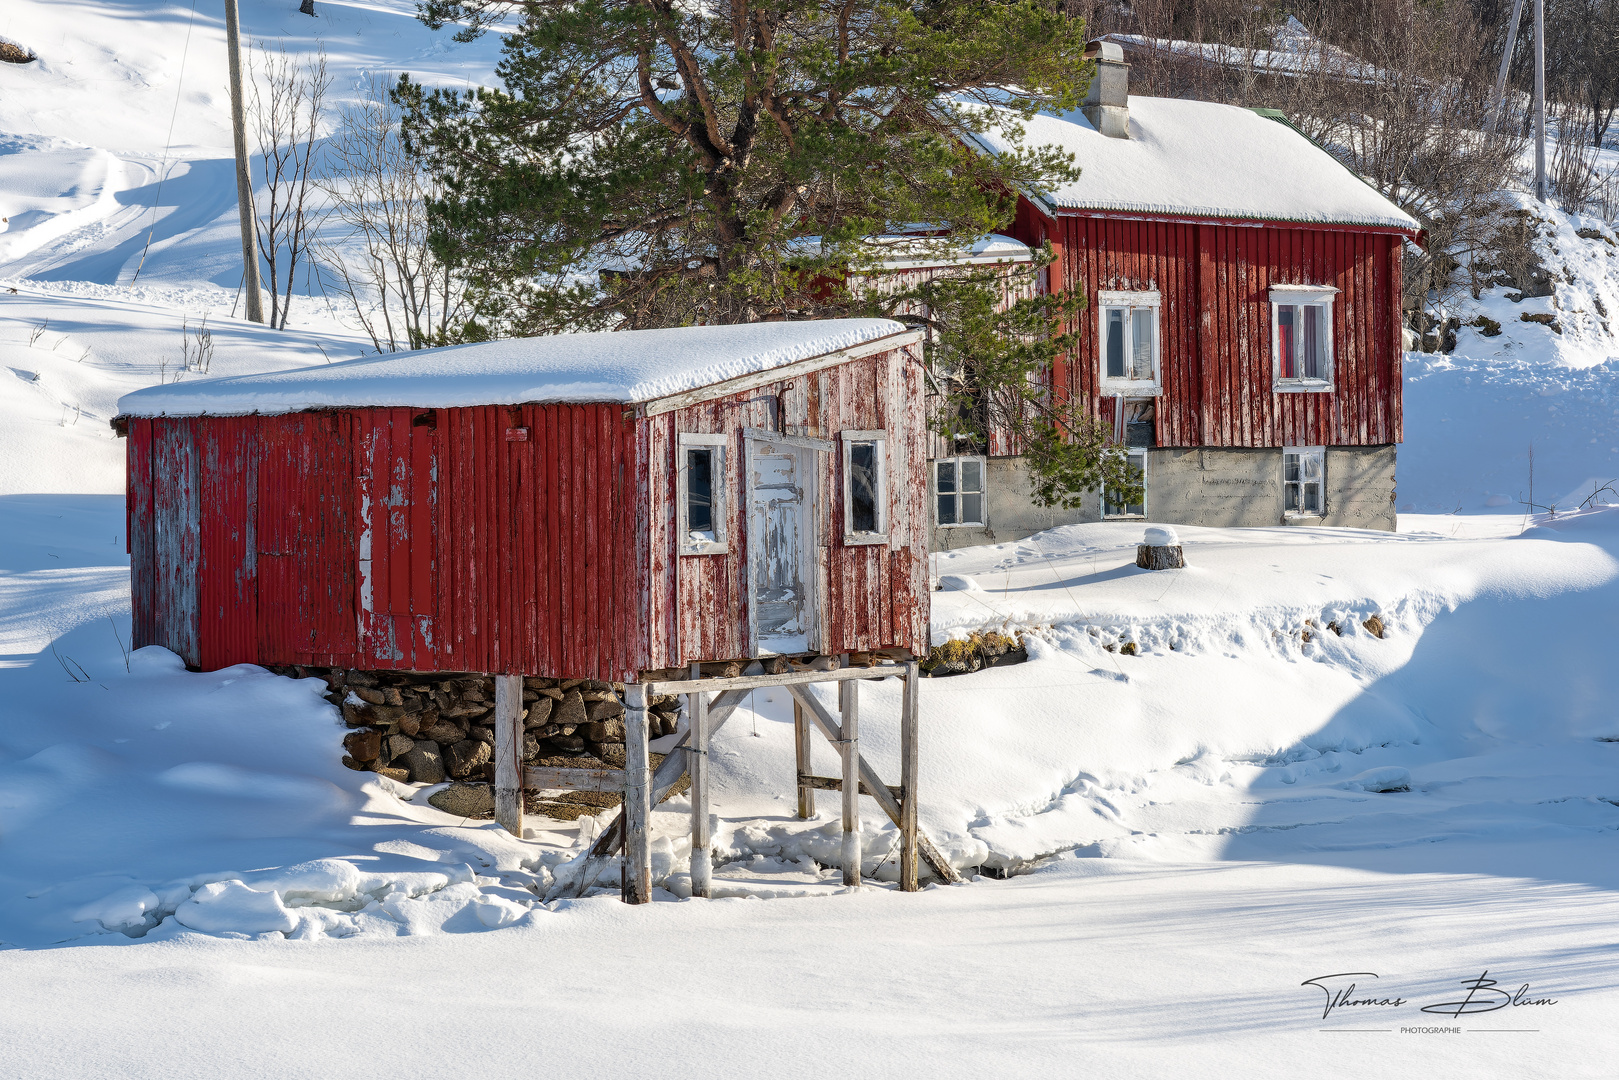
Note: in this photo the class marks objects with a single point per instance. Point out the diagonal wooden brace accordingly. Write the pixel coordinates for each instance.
(668, 774)
(873, 784)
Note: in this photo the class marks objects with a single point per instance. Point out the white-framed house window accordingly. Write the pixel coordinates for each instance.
(958, 488)
(865, 487)
(1304, 481)
(1129, 336)
(700, 494)
(1301, 338)
(1115, 507)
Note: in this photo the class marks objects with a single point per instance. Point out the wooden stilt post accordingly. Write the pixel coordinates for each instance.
(849, 700)
(908, 763)
(702, 859)
(636, 880)
(509, 753)
(801, 744)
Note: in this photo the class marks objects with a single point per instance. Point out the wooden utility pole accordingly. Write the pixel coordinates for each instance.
(244, 180)
(1499, 100)
(1540, 100)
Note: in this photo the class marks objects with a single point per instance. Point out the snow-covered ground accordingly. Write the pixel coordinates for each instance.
(1209, 786)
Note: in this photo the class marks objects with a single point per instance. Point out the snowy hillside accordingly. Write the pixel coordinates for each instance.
(1310, 751)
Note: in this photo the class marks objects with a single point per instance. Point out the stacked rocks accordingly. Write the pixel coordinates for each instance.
(428, 727)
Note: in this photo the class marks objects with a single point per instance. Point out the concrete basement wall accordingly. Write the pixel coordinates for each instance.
(1226, 487)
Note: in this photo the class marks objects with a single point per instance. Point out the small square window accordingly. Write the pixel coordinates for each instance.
(958, 487)
(700, 466)
(1129, 342)
(1301, 338)
(865, 487)
(1114, 507)
(1304, 480)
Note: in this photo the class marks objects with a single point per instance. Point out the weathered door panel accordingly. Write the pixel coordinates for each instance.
(780, 543)
(176, 537)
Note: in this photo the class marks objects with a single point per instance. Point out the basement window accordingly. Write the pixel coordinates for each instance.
(1301, 338)
(1115, 507)
(1128, 329)
(701, 487)
(1304, 476)
(865, 487)
(958, 488)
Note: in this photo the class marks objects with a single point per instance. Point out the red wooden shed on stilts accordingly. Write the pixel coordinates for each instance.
(613, 506)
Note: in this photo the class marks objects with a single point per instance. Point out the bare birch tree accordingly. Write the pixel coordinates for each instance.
(288, 99)
(403, 296)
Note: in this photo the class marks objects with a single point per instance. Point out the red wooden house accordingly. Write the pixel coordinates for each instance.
(583, 506)
(1243, 329)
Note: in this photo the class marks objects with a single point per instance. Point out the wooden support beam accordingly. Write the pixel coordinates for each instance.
(801, 749)
(509, 753)
(909, 766)
(702, 861)
(636, 881)
(849, 750)
(878, 790)
(541, 777)
(835, 783)
(786, 678)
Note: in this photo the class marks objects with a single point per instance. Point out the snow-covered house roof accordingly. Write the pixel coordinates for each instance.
(1294, 51)
(627, 366)
(1202, 159)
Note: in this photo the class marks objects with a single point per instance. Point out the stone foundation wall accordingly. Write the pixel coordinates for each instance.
(426, 728)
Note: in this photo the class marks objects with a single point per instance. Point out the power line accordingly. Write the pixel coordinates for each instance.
(162, 169)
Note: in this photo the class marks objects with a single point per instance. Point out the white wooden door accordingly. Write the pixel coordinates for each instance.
(781, 605)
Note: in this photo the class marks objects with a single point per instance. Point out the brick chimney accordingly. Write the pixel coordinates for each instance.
(1107, 101)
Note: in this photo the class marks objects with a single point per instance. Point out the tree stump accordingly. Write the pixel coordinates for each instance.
(1160, 558)
(307, 7)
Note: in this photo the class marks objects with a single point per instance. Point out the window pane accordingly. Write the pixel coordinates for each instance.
(1290, 498)
(863, 487)
(947, 476)
(1141, 334)
(1310, 340)
(1290, 467)
(1115, 343)
(1312, 498)
(1310, 465)
(972, 508)
(700, 494)
(947, 509)
(1284, 340)
(972, 475)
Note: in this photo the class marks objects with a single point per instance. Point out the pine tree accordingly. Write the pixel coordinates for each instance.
(649, 163)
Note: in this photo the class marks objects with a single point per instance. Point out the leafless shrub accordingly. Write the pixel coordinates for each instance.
(196, 346)
(288, 100)
(402, 295)
(38, 332)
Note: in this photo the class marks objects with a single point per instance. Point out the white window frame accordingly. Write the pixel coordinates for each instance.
(1324, 295)
(719, 492)
(1321, 453)
(1131, 301)
(982, 493)
(1129, 452)
(849, 438)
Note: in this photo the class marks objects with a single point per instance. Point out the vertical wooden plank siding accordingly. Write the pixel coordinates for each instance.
(871, 595)
(1215, 339)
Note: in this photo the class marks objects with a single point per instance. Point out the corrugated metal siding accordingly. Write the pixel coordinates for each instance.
(1216, 342)
(515, 539)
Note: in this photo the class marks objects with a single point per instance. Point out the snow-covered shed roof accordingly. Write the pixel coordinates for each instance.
(1202, 159)
(907, 251)
(627, 366)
